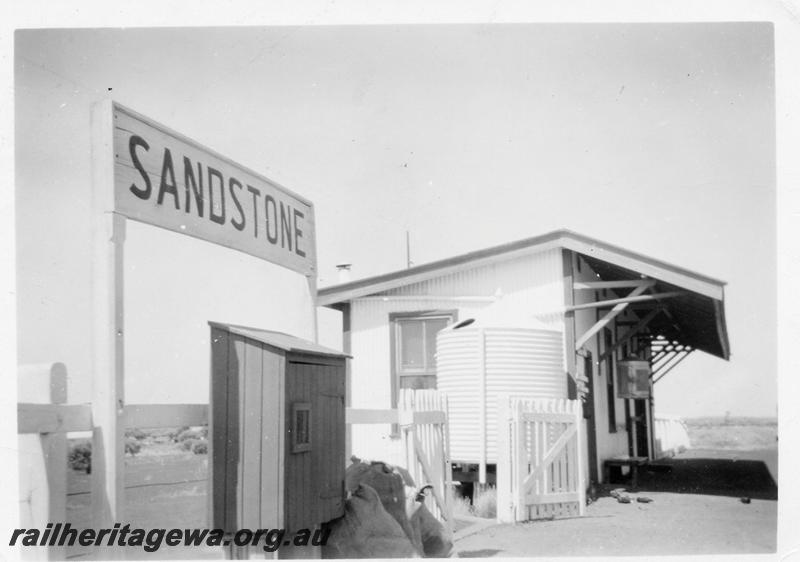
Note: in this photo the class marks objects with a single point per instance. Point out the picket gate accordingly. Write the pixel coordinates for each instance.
(540, 470)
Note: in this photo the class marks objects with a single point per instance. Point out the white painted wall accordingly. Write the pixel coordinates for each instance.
(531, 288)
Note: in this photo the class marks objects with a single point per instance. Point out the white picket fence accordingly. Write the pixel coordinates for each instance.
(671, 436)
(424, 443)
(540, 470)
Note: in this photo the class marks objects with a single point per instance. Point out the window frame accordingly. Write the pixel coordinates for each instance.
(394, 333)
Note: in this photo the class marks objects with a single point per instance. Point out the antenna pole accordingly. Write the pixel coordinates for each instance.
(408, 250)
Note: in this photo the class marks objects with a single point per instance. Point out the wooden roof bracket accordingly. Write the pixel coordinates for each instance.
(641, 325)
(664, 370)
(619, 306)
(667, 349)
(595, 285)
(625, 300)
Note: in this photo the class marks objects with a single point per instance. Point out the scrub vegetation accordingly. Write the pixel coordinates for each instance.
(138, 441)
(734, 433)
(484, 504)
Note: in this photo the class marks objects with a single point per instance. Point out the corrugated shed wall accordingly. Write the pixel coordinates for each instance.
(531, 286)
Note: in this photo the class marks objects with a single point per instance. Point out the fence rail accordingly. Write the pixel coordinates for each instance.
(424, 441)
(43, 421)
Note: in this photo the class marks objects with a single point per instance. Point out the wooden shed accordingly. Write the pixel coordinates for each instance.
(277, 430)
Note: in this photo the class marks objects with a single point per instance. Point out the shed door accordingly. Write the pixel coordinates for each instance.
(315, 443)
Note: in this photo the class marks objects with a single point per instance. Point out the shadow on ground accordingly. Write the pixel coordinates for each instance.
(733, 477)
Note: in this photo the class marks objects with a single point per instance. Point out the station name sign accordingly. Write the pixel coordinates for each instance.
(167, 180)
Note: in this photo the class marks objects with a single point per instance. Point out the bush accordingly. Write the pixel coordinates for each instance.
(174, 435)
(200, 447)
(190, 433)
(79, 456)
(461, 506)
(135, 433)
(187, 444)
(132, 446)
(485, 503)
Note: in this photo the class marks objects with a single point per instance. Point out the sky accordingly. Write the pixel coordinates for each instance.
(659, 138)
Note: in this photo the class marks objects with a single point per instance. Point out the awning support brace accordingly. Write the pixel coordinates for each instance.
(610, 315)
(641, 325)
(625, 300)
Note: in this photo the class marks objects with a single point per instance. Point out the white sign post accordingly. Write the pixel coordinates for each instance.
(146, 172)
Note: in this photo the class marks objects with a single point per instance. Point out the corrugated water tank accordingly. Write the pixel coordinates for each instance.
(475, 365)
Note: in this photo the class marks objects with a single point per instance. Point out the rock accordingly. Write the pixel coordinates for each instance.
(644, 499)
(745, 500)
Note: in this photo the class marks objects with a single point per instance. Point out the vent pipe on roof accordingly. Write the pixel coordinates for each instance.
(344, 272)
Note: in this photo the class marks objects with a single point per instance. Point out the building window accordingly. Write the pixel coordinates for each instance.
(414, 349)
(301, 427)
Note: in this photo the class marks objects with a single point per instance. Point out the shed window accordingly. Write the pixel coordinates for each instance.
(417, 344)
(414, 344)
(301, 427)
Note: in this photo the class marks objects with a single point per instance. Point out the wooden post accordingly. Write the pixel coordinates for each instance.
(46, 384)
(347, 348)
(569, 324)
(579, 458)
(634, 434)
(311, 280)
(520, 462)
(405, 415)
(448, 466)
(108, 463)
(504, 504)
(648, 420)
(482, 406)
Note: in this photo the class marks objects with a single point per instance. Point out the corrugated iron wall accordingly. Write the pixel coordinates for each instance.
(476, 366)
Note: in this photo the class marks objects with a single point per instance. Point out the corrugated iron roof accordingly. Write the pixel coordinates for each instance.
(696, 318)
(691, 318)
(640, 263)
(280, 340)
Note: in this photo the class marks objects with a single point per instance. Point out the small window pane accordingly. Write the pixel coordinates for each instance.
(411, 351)
(301, 424)
(432, 327)
(301, 427)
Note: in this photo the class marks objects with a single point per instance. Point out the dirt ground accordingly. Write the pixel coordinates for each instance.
(696, 509)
